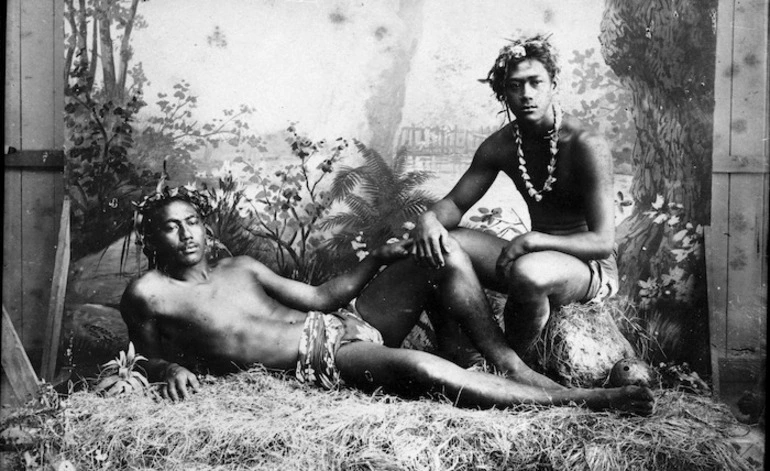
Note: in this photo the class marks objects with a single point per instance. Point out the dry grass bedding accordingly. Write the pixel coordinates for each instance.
(259, 420)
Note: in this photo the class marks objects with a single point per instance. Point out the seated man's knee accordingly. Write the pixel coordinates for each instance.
(457, 256)
(527, 275)
(464, 237)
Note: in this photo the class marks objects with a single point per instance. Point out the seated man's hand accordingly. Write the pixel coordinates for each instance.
(393, 251)
(431, 239)
(180, 383)
(517, 247)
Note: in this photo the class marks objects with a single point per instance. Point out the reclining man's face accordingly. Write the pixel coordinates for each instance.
(179, 235)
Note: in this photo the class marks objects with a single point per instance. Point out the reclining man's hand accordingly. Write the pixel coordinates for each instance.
(178, 379)
(395, 251)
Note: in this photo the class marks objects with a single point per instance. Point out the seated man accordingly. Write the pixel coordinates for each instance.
(189, 314)
(563, 171)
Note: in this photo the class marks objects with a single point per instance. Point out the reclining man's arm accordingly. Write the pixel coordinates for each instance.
(143, 332)
(336, 292)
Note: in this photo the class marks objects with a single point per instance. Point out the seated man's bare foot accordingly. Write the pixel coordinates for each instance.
(632, 399)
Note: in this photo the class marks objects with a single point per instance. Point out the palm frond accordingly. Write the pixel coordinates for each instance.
(373, 160)
(418, 196)
(345, 181)
(361, 207)
(399, 161)
(343, 220)
(416, 178)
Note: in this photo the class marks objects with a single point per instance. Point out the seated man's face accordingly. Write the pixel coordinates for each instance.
(529, 90)
(179, 236)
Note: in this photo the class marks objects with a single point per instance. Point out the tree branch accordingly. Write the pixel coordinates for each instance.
(125, 49)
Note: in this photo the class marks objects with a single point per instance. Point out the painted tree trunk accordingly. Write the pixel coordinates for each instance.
(384, 107)
(664, 52)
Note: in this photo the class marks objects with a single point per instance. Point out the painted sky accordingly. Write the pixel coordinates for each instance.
(316, 61)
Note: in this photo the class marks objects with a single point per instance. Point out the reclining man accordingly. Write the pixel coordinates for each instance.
(564, 174)
(189, 314)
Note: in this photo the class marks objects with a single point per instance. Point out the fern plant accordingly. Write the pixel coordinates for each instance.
(379, 199)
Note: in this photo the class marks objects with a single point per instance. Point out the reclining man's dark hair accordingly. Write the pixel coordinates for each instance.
(536, 47)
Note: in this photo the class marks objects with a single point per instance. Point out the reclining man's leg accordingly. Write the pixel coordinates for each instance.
(394, 300)
(411, 373)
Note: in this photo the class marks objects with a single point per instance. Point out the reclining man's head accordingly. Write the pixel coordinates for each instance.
(171, 228)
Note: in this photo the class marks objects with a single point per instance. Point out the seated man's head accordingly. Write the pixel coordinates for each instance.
(170, 226)
(524, 76)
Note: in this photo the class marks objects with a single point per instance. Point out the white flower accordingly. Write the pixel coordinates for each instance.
(518, 51)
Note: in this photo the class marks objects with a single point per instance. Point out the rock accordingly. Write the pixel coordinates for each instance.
(93, 334)
(98, 279)
(580, 345)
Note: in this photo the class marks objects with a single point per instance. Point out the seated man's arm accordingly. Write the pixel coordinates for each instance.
(336, 292)
(432, 228)
(143, 332)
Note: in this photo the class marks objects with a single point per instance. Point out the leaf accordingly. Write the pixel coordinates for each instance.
(106, 383)
(141, 378)
(679, 235)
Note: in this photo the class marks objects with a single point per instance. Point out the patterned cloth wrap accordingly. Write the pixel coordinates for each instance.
(604, 278)
(322, 336)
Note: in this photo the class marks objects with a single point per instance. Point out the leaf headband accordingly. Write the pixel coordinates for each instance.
(187, 193)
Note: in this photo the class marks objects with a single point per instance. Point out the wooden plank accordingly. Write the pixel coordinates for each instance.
(741, 370)
(16, 366)
(39, 228)
(749, 79)
(716, 320)
(11, 127)
(741, 164)
(12, 178)
(38, 74)
(53, 159)
(746, 301)
(56, 302)
(12, 241)
(57, 46)
(723, 72)
(764, 234)
(7, 396)
(717, 253)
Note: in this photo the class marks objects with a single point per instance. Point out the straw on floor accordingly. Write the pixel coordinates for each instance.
(259, 420)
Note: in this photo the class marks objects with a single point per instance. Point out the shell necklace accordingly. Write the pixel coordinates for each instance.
(554, 148)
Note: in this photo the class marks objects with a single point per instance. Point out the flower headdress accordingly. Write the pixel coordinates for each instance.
(517, 50)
